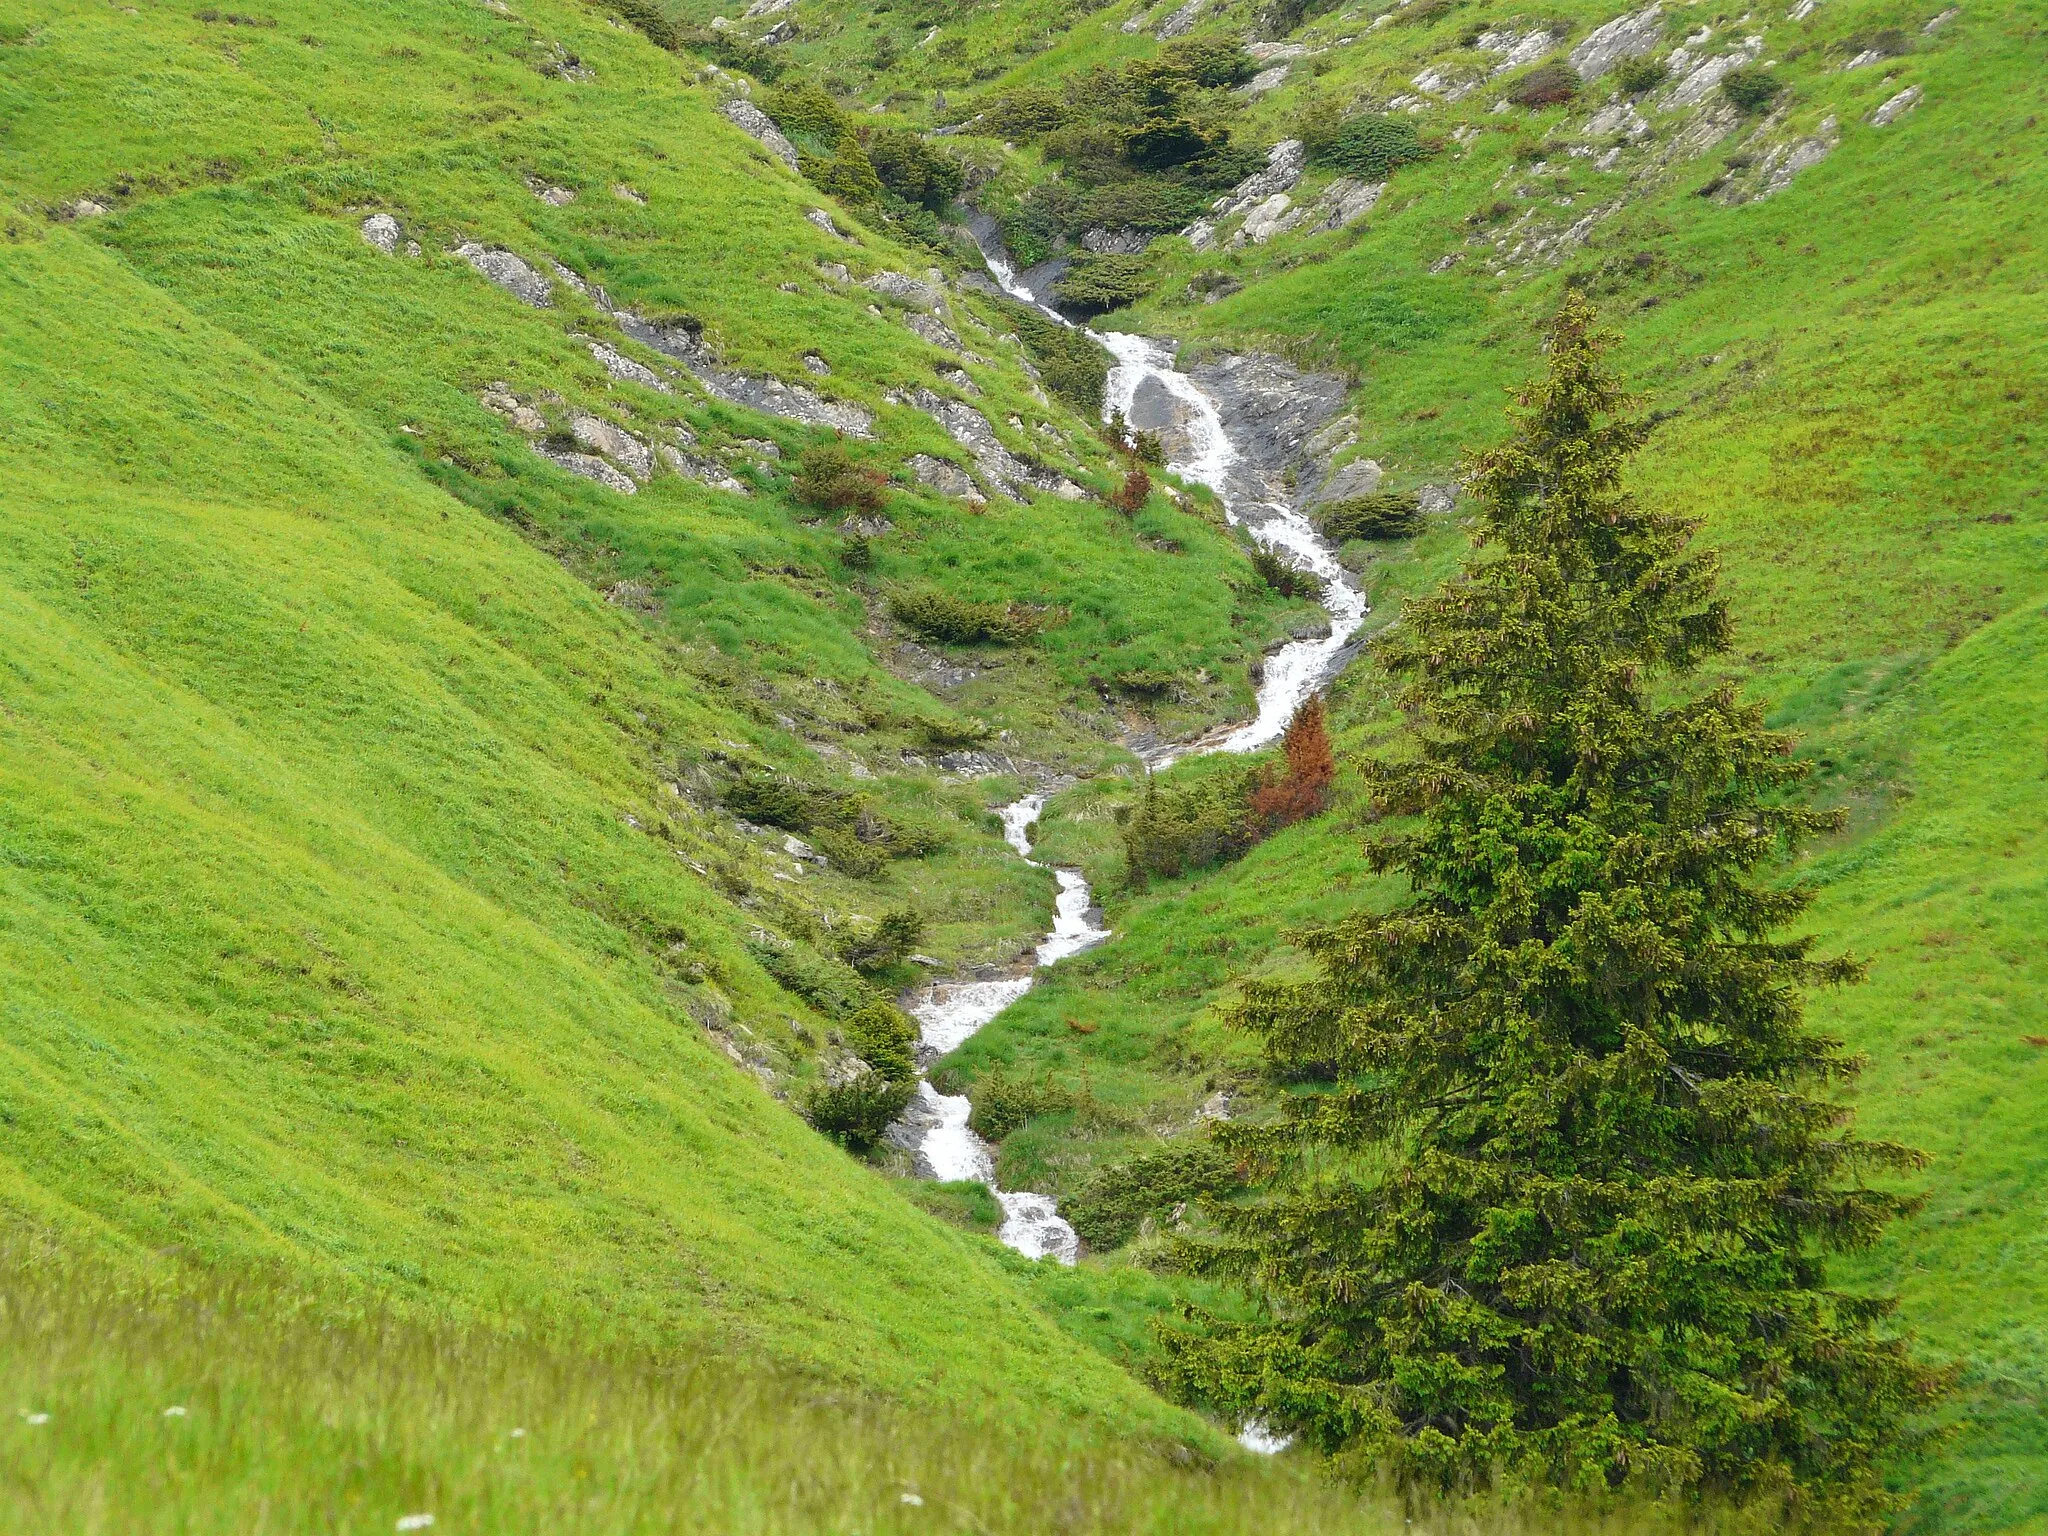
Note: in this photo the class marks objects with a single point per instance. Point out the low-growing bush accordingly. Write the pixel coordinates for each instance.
(856, 1113)
(1371, 145)
(1146, 682)
(1380, 515)
(1175, 830)
(780, 802)
(881, 1035)
(1130, 497)
(1751, 88)
(1114, 1203)
(1003, 1102)
(1025, 114)
(914, 169)
(831, 986)
(1282, 577)
(1167, 142)
(1095, 284)
(1303, 789)
(827, 476)
(1072, 364)
(651, 21)
(942, 616)
(1547, 85)
(848, 854)
(892, 939)
(1640, 73)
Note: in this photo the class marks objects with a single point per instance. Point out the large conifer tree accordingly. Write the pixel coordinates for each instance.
(1557, 1212)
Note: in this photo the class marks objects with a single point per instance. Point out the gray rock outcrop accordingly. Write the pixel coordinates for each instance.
(1896, 107)
(614, 443)
(509, 273)
(620, 366)
(1002, 470)
(382, 231)
(589, 467)
(938, 475)
(1625, 37)
(792, 402)
(760, 127)
(907, 290)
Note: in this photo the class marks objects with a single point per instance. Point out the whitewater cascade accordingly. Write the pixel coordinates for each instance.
(1199, 449)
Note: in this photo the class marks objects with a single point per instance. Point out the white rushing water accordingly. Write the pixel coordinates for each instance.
(1200, 449)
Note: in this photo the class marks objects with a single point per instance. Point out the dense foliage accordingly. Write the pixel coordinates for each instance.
(1376, 515)
(942, 616)
(1607, 1163)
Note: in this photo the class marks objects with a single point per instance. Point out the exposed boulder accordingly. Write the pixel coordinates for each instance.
(1266, 80)
(1516, 48)
(1896, 107)
(1705, 76)
(760, 127)
(1625, 37)
(589, 467)
(708, 471)
(1263, 221)
(793, 402)
(615, 443)
(1361, 477)
(935, 331)
(823, 220)
(1001, 469)
(554, 197)
(498, 398)
(1181, 21)
(620, 366)
(1285, 162)
(1115, 242)
(907, 290)
(938, 475)
(382, 231)
(509, 273)
(814, 364)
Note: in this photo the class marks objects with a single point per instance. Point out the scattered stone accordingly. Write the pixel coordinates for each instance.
(1940, 21)
(1618, 119)
(1267, 53)
(619, 366)
(835, 270)
(1181, 21)
(1785, 161)
(82, 208)
(1344, 201)
(1115, 242)
(761, 447)
(935, 331)
(589, 467)
(709, 471)
(802, 851)
(1439, 82)
(960, 379)
(1201, 234)
(1266, 80)
(637, 595)
(1000, 468)
(938, 475)
(1625, 37)
(1693, 89)
(1261, 223)
(817, 365)
(823, 220)
(381, 230)
(1516, 48)
(1896, 108)
(793, 402)
(760, 127)
(498, 397)
(1445, 262)
(509, 273)
(1285, 162)
(555, 197)
(626, 194)
(905, 289)
(1436, 498)
(1361, 477)
(762, 8)
(1802, 10)
(615, 443)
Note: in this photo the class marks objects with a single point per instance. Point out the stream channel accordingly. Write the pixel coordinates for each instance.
(1153, 397)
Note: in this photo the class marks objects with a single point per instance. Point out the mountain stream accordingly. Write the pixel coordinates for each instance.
(1155, 397)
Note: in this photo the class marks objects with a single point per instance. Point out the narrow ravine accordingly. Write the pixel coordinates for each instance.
(1153, 396)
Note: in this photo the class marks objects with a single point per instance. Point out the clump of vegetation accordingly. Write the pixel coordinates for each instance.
(1174, 830)
(1378, 515)
(1072, 364)
(1130, 497)
(857, 554)
(1547, 85)
(1282, 577)
(1303, 789)
(888, 170)
(651, 20)
(1370, 144)
(1640, 74)
(881, 1035)
(1003, 1101)
(1095, 284)
(1611, 1157)
(828, 476)
(831, 986)
(889, 942)
(1113, 1204)
(775, 801)
(855, 1113)
(958, 621)
(1751, 89)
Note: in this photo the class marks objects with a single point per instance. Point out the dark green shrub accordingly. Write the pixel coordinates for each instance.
(1547, 85)
(1028, 113)
(1173, 141)
(1751, 88)
(1115, 1202)
(1090, 151)
(855, 1114)
(1146, 682)
(1095, 284)
(827, 476)
(1211, 62)
(942, 616)
(1002, 1103)
(1381, 515)
(778, 802)
(828, 985)
(846, 174)
(848, 854)
(880, 1035)
(1072, 363)
(651, 21)
(1282, 577)
(805, 110)
(943, 735)
(734, 52)
(889, 942)
(1173, 831)
(1634, 76)
(1371, 145)
(914, 169)
(856, 554)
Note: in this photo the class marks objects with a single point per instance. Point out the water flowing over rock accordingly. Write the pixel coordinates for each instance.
(760, 127)
(1625, 37)
(509, 273)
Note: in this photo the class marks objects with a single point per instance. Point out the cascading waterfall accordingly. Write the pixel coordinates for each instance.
(1201, 450)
